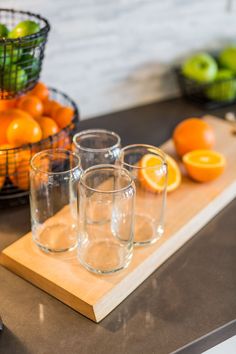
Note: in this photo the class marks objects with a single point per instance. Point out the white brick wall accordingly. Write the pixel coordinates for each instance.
(113, 54)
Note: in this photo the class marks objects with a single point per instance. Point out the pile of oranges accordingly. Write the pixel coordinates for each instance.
(32, 117)
(29, 119)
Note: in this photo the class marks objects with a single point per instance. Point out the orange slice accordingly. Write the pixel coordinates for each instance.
(152, 179)
(204, 165)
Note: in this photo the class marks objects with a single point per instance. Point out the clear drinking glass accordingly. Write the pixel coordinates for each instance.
(54, 177)
(96, 147)
(150, 199)
(106, 213)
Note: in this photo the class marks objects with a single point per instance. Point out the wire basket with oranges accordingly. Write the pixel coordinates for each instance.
(44, 118)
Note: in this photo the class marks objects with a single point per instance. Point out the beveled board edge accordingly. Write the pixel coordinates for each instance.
(46, 285)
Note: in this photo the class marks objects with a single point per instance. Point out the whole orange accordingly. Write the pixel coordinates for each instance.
(193, 134)
(4, 123)
(16, 113)
(22, 164)
(6, 104)
(63, 140)
(48, 126)
(19, 99)
(50, 107)
(41, 91)
(32, 105)
(6, 118)
(23, 131)
(63, 116)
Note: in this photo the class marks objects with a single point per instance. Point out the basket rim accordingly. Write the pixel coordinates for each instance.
(44, 30)
(75, 119)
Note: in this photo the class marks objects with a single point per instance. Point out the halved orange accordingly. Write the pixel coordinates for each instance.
(204, 165)
(153, 178)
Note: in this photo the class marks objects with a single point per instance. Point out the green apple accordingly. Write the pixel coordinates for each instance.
(201, 67)
(3, 31)
(30, 64)
(15, 78)
(227, 58)
(15, 54)
(9, 54)
(224, 87)
(24, 28)
(5, 59)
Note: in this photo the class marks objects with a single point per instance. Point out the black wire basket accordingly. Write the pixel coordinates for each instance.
(20, 58)
(15, 162)
(212, 95)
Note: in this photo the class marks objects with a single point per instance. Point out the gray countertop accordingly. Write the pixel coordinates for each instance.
(190, 295)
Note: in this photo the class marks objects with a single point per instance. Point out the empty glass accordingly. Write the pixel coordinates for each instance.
(96, 147)
(54, 177)
(150, 198)
(106, 208)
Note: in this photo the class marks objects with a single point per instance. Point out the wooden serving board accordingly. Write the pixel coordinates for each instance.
(188, 209)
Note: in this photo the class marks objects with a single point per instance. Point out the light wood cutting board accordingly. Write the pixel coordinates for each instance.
(188, 209)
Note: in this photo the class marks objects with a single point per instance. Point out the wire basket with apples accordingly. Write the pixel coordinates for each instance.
(23, 36)
(42, 119)
(209, 80)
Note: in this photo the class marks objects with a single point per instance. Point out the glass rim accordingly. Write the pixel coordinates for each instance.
(94, 131)
(58, 150)
(156, 151)
(107, 167)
